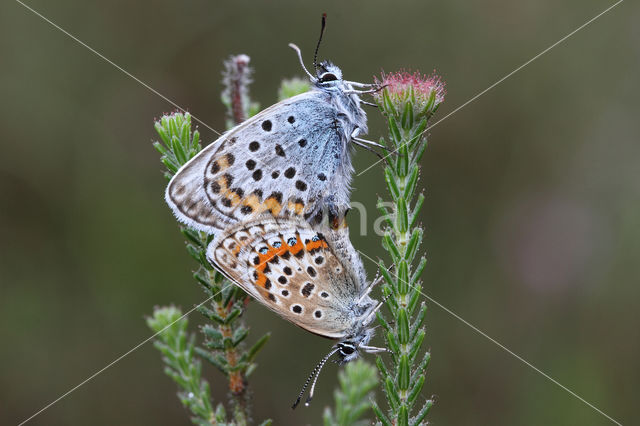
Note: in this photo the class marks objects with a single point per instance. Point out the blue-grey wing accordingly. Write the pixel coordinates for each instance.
(289, 159)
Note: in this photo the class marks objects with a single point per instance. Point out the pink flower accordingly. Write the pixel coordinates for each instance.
(424, 92)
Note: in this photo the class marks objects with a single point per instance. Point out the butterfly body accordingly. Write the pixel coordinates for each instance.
(293, 158)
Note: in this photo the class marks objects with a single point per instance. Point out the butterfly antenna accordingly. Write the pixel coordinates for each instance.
(313, 376)
(297, 49)
(315, 55)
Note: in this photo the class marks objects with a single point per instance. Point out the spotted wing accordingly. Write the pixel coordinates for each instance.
(289, 159)
(294, 271)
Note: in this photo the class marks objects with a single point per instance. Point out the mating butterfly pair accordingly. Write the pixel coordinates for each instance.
(261, 189)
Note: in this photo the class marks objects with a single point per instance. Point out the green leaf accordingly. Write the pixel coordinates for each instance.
(387, 105)
(394, 131)
(415, 390)
(239, 335)
(390, 246)
(423, 412)
(392, 394)
(403, 373)
(391, 183)
(257, 346)
(380, 415)
(407, 116)
(403, 326)
(402, 220)
(412, 183)
(414, 243)
(417, 322)
(416, 343)
(416, 275)
(403, 277)
(402, 161)
(403, 415)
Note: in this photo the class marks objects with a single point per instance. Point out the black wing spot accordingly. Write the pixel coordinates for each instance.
(230, 159)
(254, 146)
(272, 297)
(250, 164)
(266, 125)
(246, 209)
(319, 260)
(291, 119)
(226, 202)
(228, 179)
(322, 177)
(301, 185)
(296, 309)
(287, 270)
(318, 314)
(307, 289)
(256, 260)
(215, 187)
(302, 143)
(215, 167)
(290, 173)
(324, 294)
(282, 279)
(275, 174)
(280, 151)
(257, 175)
(267, 284)
(312, 272)
(285, 293)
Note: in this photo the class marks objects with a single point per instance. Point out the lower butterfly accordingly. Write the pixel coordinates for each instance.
(314, 279)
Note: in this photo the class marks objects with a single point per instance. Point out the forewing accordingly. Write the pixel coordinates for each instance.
(293, 270)
(283, 160)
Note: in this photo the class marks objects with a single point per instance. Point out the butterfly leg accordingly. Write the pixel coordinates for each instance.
(368, 103)
(366, 142)
(356, 84)
(373, 349)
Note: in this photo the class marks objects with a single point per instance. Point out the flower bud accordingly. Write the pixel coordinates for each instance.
(409, 97)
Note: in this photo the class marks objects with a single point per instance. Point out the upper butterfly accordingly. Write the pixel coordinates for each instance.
(293, 158)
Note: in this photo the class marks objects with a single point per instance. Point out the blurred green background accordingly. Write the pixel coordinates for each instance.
(532, 214)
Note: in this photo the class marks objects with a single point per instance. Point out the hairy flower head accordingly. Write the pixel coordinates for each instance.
(418, 92)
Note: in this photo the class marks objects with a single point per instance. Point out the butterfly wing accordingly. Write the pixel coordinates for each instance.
(289, 159)
(295, 271)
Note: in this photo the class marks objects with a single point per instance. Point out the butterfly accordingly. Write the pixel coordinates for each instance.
(314, 279)
(293, 158)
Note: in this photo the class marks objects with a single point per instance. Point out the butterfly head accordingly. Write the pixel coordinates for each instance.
(349, 349)
(328, 73)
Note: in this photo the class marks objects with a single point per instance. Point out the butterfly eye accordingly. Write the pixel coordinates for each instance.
(328, 77)
(277, 244)
(292, 241)
(347, 348)
(263, 250)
